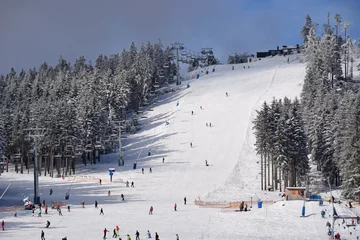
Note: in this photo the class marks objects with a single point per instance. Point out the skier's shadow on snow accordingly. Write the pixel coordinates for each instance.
(311, 214)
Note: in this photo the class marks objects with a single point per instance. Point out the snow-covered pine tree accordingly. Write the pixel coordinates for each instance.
(351, 170)
(305, 30)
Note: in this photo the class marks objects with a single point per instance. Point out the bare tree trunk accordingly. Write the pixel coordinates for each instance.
(58, 166)
(66, 166)
(275, 171)
(51, 162)
(261, 167)
(280, 178)
(22, 160)
(40, 162)
(265, 187)
(45, 159)
(273, 174)
(269, 170)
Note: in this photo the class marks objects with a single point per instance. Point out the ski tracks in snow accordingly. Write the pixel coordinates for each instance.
(235, 181)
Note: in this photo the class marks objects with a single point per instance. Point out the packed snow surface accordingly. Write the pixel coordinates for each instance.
(232, 174)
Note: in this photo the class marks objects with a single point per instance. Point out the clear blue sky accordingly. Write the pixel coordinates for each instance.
(32, 32)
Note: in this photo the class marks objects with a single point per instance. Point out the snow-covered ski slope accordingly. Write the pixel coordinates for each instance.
(232, 174)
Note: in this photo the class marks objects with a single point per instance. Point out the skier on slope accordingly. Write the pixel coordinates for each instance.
(122, 197)
(101, 211)
(190, 144)
(117, 229)
(137, 234)
(177, 237)
(47, 224)
(3, 225)
(96, 204)
(151, 210)
(156, 236)
(132, 184)
(105, 231)
(127, 183)
(148, 234)
(142, 170)
(42, 235)
(184, 200)
(175, 207)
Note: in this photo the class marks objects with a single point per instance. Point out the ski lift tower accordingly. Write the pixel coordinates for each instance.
(36, 134)
(121, 159)
(177, 46)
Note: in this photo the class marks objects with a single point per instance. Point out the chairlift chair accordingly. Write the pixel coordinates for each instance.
(98, 145)
(88, 148)
(69, 150)
(57, 151)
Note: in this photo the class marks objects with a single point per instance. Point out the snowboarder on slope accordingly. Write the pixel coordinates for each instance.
(47, 224)
(51, 191)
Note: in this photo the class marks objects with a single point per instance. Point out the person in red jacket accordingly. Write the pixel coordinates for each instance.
(105, 231)
(3, 225)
